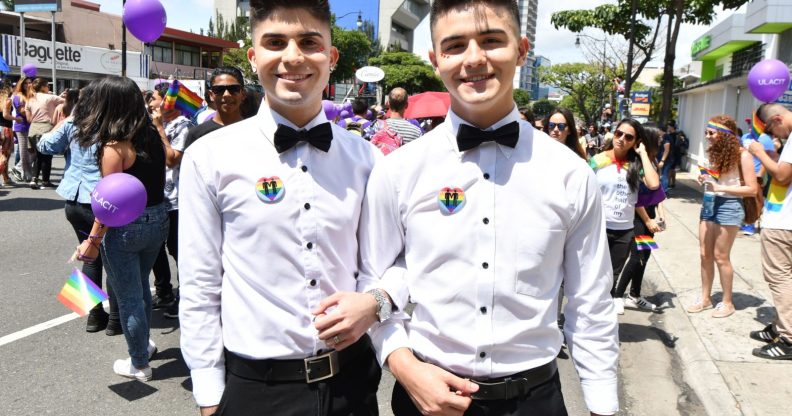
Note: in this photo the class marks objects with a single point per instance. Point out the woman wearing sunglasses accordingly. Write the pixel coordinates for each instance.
(560, 125)
(620, 169)
(722, 210)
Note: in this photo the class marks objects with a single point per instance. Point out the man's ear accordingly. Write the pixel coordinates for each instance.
(251, 55)
(333, 56)
(524, 45)
(433, 60)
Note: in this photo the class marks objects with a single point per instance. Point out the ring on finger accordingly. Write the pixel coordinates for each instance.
(336, 339)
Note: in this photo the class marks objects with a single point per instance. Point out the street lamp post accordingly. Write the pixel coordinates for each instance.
(604, 63)
(628, 82)
(359, 18)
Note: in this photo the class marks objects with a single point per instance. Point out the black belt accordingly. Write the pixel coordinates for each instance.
(515, 385)
(310, 370)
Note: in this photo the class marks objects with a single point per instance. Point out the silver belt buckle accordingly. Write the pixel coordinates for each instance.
(331, 356)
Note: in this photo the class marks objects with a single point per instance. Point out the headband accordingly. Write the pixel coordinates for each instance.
(757, 126)
(719, 127)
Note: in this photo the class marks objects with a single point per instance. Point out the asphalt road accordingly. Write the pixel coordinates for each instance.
(50, 365)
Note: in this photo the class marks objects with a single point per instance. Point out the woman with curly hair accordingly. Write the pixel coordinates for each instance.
(560, 125)
(722, 210)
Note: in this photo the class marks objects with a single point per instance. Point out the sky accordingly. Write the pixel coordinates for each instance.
(557, 45)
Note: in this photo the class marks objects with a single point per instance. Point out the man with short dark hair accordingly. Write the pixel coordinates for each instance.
(226, 93)
(358, 123)
(398, 104)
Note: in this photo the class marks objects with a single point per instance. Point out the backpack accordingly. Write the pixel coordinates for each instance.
(386, 139)
(355, 126)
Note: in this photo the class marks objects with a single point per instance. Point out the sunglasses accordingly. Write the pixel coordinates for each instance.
(551, 126)
(221, 89)
(627, 136)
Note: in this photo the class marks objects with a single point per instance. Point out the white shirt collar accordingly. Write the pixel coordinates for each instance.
(269, 120)
(453, 121)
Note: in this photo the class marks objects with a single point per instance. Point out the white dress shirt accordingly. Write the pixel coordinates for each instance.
(485, 278)
(252, 271)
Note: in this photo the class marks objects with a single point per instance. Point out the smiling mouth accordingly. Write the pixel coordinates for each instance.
(478, 78)
(294, 77)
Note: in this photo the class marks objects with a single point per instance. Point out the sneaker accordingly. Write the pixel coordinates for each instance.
(699, 306)
(34, 184)
(639, 303)
(722, 311)
(97, 320)
(161, 302)
(748, 229)
(768, 334)
(173, 310)
(124, 368)
(618, 303)
(778, 350)
(151, 349)
(113, 328)
(48, 185)
(16, 175)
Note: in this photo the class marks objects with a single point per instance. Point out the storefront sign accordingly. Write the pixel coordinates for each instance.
(69, 57)
(641, 103)
(700, 44)
(23, 6)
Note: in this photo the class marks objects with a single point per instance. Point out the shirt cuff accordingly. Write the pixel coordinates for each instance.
(387, 337)
(208, 385)
(602, 396)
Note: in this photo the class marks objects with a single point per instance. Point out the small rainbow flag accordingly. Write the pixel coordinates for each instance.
(707, 171)
(181, 98)
(80, 294)
(757, 127)
(645, 242)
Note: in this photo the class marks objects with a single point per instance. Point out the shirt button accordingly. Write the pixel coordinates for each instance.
(486, 176)
(485, 265)
(307, 206)
(313, 282)
(486, 220)
(482, 354)
(309, 245)
(304, 168)
(483, 309)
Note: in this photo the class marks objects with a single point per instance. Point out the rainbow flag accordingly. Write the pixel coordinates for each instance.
(707, 171)
(80, 294)
(181, 98)
(757, 127)
(645, 242)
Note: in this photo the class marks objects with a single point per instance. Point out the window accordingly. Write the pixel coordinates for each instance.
(210, 59)
(188, 55)
(162, 52)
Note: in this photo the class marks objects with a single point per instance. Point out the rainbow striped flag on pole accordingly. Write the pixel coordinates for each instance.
(80, 294)
(181, 98)
(707, 171)
(645, 242)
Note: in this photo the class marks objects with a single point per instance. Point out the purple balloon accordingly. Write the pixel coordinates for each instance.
(369, 115)
(145, 19)
(29, 70)
(118, 199)
(768, 80)
(329, 109)
(344, 114)
(347, 106)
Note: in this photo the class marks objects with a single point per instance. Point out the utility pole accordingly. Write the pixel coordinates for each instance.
(628, 75)
(123, 45)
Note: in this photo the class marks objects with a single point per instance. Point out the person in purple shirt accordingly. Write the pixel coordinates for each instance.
(358, 122)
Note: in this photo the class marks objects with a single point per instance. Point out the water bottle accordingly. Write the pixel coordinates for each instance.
(708, 206)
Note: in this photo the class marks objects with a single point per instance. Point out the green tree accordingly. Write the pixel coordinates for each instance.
(407, 70)
(522, 97)
(371, 33)
(7, 4)
(657, 99)
(238, 58)
(542, 108)
(582, 82)
(615, 19)
(354, 48)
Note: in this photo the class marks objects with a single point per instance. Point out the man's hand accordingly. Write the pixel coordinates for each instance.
(755, 148)
(351, 317)
(208, 411)
(156, 117)
(433, 390)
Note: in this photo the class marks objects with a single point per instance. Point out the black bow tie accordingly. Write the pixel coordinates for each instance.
(319, 137)
(469, 137)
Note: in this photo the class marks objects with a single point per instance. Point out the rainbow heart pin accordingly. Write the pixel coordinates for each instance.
(451, 200)
(270, 190)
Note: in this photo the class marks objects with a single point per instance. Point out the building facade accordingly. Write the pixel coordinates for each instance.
(524, 78)
(726, 53)
(230, 9)
(84, 52)
(397, 21)
(539, 91)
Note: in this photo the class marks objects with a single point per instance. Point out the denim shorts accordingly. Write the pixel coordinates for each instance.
(724, 211)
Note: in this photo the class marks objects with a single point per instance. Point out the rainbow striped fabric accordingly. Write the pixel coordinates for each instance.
(181, 98)
(645, 242)
(80, 294)
(757, 127)
(707, 171)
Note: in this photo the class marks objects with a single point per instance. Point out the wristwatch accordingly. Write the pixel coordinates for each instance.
(384, 305)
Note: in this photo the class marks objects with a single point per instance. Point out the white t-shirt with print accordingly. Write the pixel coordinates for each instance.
(777, 212)
(618, 202)
(176, 132)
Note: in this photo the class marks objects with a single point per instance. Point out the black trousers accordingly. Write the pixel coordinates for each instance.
(43, 166)
(633, 272)
(619, 243)
(352, 392)
(545, 399)
(162, 274)
(81, 218)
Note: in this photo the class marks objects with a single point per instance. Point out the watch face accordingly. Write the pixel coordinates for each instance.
(384, 312)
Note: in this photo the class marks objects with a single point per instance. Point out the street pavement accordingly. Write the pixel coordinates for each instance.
(671, 363)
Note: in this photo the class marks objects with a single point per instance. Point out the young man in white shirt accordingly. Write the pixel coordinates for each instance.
(487, 216)
(777, 234)
(269, 213)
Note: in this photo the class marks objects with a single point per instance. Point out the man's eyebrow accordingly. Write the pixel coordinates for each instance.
(483, 32)
(301, 35)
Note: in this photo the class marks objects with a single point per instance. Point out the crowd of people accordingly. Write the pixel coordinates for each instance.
(304, 239)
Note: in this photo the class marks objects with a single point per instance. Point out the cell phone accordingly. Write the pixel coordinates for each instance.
(661, 223)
